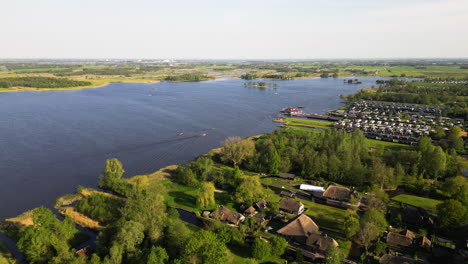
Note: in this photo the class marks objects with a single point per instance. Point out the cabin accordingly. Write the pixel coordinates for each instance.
(261, 205)
(291, 206)
(287, 176)
(402, 240)
(299, 229)
(338, 193)
(250, 211)
(286, 193)
(227, 216)
(392, 259)
(319, 244)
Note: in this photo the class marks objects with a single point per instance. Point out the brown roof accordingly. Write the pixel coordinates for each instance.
(399, 240)
(250, 210)
(337, 193)
(287, 175)
(319, 243)
(290, 204)
(262, 204)
(391, 259)
(288, 193)
(425, 242)
(301, 226)
(409, 234)
(226, 215)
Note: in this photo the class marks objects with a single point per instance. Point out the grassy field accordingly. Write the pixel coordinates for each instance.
(426, 203)
(308, 123)
(325, 216)
(185, 197)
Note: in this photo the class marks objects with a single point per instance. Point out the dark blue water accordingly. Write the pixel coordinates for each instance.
(51, 142)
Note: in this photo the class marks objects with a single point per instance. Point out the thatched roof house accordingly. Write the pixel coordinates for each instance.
(225, 215)
(261, 205)
(338, 193)
(319, 244)
(299, 229)
(287, 176)
(291, 206)
(399, 239)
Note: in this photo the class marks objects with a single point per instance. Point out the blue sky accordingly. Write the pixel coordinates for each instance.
(255, 29)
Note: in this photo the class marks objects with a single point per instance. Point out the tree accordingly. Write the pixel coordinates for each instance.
(249, 190)
(260, 249)
(332, 255)
(157, 255)
(378, 200)
(350, 224)
(235, 150)
(452, 185)
(455, 139)
(202, 167)
(368, 233)
(206, 197)
(376, 218)
(186, 176)
(452, 214)
(278, 245)
(130, 235)
(205, 247)
(112, 173)
(380, 247)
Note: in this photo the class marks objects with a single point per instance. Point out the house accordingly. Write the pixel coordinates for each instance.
(250, 211)
(287, 176)
(299, 229)
(338, 193)
(391, 259)
(396, 239)
(425, 243)
(261, 205)
(227, 216)
(319, 244)
(413, 216)
(285, 193)
(84, 252)
(291, 206)
(259, 219)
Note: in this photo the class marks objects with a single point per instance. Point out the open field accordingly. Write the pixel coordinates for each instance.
(306, 123)
(325, 216)
(426, 203)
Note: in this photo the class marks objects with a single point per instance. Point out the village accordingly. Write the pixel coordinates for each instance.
(295, 222)
(392, 122)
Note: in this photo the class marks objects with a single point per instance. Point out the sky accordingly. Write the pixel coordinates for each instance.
(240, 29)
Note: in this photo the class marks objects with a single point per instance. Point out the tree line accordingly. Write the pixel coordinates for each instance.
(40, 82)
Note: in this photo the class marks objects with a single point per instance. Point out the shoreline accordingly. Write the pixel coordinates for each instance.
(105, 83)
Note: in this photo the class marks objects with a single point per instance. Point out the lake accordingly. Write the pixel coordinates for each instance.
(53, 141)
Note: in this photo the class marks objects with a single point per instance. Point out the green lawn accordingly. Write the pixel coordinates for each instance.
(325, 216)
(185, 197)
(289, 121)
(426, 203)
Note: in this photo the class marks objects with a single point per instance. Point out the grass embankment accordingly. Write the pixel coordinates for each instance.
(305, 123)
(62, 204)
(426, 203)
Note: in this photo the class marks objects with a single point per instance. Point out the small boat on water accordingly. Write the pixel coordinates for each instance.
(181, 134)
(203, 135)
(301, 106)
